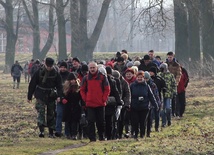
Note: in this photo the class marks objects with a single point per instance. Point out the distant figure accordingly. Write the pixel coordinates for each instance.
(16, 71)
(26, 73)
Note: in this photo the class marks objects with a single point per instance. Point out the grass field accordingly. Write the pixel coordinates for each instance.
(193, 134)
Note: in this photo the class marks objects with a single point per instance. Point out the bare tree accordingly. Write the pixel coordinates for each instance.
(60, 6)
(83, 45)
(12, 32)
(193, 30)
(207, 29)
(181, 31)
(34, 22)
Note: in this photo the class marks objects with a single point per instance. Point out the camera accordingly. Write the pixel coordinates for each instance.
(141, 98)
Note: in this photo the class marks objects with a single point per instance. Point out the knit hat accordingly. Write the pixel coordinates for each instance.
(102, 70)
(120, 59)
(63, 64)
(116, 74)
(153, 69)
(71, 76)
(146, 57)
(129, 64)
(129, 70)
(49, 62)
(118, 54)
(108, 70)
(84, 68)
(146, 75)
(137, 63)
(76, 59)
(164, 67)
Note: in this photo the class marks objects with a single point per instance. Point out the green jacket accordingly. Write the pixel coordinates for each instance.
(171, 88)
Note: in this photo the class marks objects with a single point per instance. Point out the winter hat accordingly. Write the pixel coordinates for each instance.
(153, 69)
(146, 57)
(129, 70)
(116, 74)
(71, 76)
(146, 75)
(118, 54)
(135, 68)
(129, 64)
(102, 70)
(76, 59)
(108, 70)
(137, 63)
(84, 68)
(63, 64)
(49, 62)
(120, 59)
(164, 67)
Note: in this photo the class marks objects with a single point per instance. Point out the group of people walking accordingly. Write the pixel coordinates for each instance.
(108, 99)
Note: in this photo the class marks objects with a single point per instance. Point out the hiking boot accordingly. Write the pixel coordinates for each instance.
(169, 123)
(51, 135)
(156, 129)
(41, 135)
(57, 134)
(74, 137)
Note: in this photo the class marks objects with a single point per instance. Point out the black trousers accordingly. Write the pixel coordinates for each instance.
(96, 115)
(139, 117)
(181, 103)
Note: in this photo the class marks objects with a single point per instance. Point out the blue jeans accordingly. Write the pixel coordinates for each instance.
(166, 112)
(59, 115)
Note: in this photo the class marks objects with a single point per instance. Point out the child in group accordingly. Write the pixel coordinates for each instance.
(72, 101)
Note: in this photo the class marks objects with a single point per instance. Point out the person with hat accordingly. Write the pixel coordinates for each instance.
(124, 119)
(154, 89)
(46, 86)
(171, 89)
(161, 86)
(130, 75)
(72, 109)
(16, 71)
(120, 65)
(146, 63)
(76, 65)
(141, 96)
(63, 71)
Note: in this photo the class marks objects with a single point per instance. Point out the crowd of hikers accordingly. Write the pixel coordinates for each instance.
(107, 99)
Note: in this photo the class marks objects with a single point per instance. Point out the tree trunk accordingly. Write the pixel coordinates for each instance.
(87, 45)
(49, 41)
(34, 21)
(207, 29)
(62, 49)
(36, 31)
(11, 36)
(74, 13)
(194, 35)
(181, 31)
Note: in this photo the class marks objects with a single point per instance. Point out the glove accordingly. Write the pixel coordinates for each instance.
(64, 101)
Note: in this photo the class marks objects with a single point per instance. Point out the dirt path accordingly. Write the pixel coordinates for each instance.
(55, 152)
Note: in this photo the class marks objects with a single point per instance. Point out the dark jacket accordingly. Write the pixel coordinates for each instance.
(95, 90)
(110, 107)
(141, 95)
(16, 70)
(160, 83)
(126, 94)
(145, 67)
(72, 109)
(155, 92)
(42, 89)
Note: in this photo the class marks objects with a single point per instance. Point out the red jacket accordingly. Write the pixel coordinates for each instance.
(183, 81)
(95, 90)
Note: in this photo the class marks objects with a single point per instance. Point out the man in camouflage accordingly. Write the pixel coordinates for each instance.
(46, 86)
